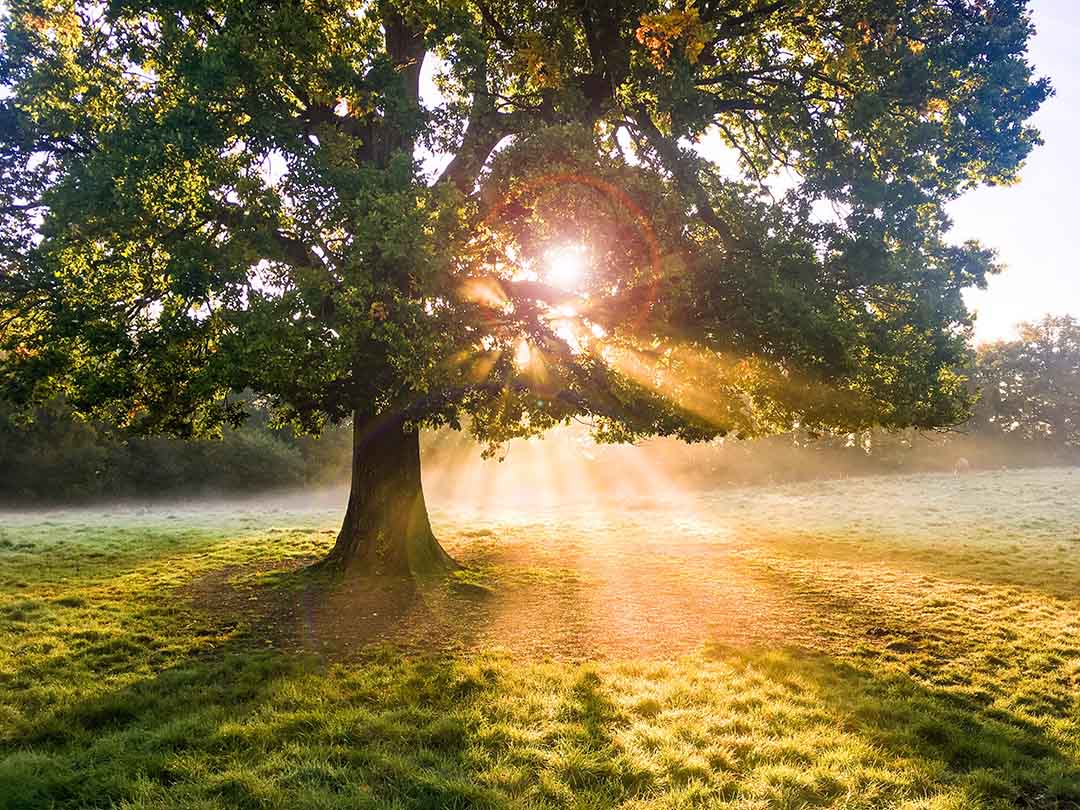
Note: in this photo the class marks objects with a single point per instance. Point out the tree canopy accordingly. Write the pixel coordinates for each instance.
(1031, 386)
(198, 198)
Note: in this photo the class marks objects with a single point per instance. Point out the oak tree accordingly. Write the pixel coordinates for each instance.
(718, 217)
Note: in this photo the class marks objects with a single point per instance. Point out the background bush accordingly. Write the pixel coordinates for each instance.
(57, 457)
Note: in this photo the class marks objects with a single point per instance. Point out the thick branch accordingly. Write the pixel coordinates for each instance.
(501, 34)
(293, 250)
(482, 135)
(681, 165)
(538, 291)
(486, 128)
(438, 401)
(736, 25)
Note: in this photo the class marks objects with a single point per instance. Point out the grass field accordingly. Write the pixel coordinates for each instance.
(894, 642)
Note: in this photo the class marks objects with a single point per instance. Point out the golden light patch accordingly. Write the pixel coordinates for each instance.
(565, 266)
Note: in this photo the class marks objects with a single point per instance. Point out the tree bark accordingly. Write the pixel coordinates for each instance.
(386, 531)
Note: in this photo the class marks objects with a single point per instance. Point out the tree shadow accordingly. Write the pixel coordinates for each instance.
(493, 603)
(987, 753)
(256, 729)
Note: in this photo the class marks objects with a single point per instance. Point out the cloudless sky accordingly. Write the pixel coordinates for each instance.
(1034, 225)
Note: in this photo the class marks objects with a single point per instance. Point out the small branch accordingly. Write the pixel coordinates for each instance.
(681, 165)
(501, 33)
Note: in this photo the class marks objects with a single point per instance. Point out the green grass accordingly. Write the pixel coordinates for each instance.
(921, 649)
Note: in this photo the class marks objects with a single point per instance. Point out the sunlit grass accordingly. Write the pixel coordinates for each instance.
(903, 642)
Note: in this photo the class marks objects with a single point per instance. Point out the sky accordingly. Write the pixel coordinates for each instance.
(1032, 225)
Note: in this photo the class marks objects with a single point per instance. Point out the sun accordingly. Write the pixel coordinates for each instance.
(565, 265)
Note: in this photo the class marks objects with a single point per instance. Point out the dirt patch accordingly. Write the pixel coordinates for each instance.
(534, 591)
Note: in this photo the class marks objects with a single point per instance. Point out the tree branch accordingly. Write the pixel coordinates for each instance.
(681, 165)
(501, 34)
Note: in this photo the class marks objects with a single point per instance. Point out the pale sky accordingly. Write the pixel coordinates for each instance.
(1032, 224)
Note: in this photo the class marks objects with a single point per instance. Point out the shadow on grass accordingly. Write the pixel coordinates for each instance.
(313, 609)
(990, 756)
(266, 729)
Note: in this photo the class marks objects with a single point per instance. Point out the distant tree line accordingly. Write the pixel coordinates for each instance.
(1031, 386)
(1028, 414)
(55, 457)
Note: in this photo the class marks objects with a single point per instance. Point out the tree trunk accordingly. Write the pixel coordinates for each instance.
(386, 531)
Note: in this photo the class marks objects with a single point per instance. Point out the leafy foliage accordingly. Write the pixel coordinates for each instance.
(202, 198)
(1031, 386)
(58, 457)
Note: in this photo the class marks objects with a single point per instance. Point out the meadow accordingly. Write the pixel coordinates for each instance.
(907, 642)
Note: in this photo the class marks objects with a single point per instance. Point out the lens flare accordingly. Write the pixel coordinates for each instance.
(565, 266)
(523, 355)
